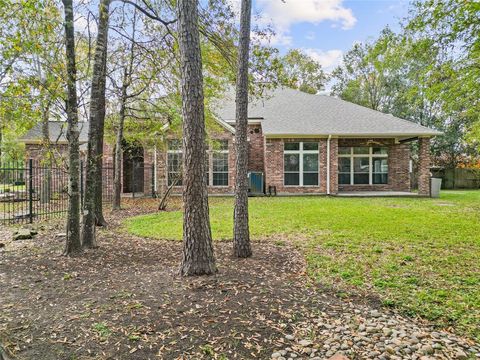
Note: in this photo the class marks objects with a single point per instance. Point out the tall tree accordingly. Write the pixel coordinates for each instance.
(370, 72)
(300, 71)
(198, 256)
(93, 213)
(241, 233)
(73, 244)
(455, 26)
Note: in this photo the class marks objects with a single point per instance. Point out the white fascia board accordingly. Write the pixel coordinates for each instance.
(355, 136)
(219, 121)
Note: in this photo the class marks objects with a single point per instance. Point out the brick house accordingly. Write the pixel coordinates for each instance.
(299, 143)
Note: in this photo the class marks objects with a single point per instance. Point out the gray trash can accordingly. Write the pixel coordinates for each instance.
(435, 185)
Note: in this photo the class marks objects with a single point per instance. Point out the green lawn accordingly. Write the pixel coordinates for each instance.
(11, 188)
(420, 255)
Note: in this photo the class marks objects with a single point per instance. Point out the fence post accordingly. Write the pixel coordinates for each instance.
(81, 184)
(30, 190)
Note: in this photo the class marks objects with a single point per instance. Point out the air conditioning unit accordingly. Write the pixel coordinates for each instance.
(255, 183)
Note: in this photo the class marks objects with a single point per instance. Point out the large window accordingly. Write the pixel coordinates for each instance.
(219, 154)
(362, 165)
(174, 162)
(216, 163)
(300, 163)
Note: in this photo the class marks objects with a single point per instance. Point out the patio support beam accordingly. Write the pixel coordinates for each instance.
(424, 163)
(328, 164)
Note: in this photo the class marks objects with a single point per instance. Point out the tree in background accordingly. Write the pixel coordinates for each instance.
(300, 71)
(455, 26)
(241, 233)
(198, 257)
(407, 75)
(125, 95)
(73, 243)
(370, 72)
(93, 212)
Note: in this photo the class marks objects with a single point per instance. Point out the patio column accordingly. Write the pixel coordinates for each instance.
(424, 166)
(333, 166)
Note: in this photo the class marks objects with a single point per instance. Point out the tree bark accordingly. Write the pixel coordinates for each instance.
(117, 179)
(198, 257)
(73, 244)
(241, 235)
(99, 218)
(93, 213)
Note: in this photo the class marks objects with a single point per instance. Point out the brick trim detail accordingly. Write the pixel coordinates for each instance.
(424, 162)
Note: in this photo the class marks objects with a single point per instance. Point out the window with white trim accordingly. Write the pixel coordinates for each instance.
(216, 163)
(219, 161)
(174, 162)
(362, 165)
(300, 161)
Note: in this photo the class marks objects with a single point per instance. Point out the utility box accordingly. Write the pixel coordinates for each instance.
(255, 183)
(435, 185)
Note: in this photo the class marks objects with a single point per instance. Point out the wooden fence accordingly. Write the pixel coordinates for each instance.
(460, 178)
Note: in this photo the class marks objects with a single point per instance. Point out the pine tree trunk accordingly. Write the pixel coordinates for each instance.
(241, 235)
(93, 214)
(99, 218)
(46, 187)
(73, 244)
(198, 257)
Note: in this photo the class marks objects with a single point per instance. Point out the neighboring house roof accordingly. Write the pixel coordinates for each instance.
(58, 133)
(287, 112)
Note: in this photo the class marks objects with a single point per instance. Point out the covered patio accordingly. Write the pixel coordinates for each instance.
(362, 194)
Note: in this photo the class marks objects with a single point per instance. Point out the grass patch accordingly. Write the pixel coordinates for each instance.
(4, 188)
(102, 331)
(416, 254)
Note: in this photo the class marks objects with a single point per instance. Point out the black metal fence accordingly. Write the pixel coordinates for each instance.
(33, 191)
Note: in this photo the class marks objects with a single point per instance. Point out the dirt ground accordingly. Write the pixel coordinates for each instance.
(124, 300)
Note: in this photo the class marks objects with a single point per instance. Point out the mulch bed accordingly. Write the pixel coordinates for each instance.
(125, 300)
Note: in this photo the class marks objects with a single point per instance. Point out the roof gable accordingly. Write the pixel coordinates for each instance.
(57, 132)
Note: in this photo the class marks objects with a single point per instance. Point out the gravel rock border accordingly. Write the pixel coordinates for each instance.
(355, 331)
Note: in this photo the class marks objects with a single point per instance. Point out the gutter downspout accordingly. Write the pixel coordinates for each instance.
(328, 164)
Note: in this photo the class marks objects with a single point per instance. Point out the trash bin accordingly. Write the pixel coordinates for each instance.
(435, 185)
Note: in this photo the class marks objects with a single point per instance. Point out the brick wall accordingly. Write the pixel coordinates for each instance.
(274, 167)
(255, 148)
(424, 163)
(36, 151)
(333, 166)
(267, 155)
(162, 167)
(147, 171)
(398, 162)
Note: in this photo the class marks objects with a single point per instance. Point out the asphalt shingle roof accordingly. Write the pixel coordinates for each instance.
(291, 112)
(58, 132)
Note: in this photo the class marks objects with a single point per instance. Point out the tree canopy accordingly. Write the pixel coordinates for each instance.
(427, 73)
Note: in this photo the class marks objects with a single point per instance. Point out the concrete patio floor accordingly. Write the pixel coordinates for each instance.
(377, 194)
